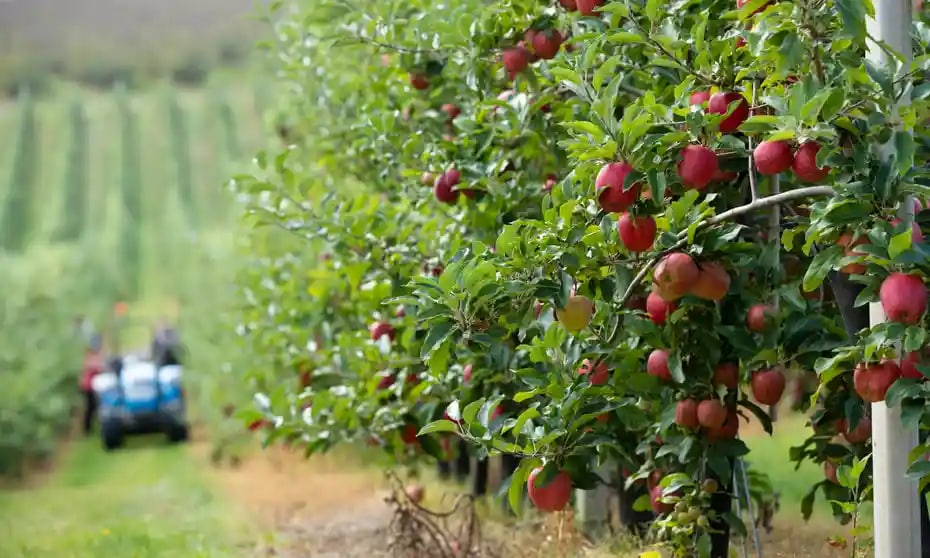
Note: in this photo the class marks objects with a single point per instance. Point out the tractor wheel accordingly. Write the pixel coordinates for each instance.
(112, 435)
(177, 432)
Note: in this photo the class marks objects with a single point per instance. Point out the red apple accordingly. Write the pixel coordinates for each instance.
(655, 495)
(772, 157)
(466, 373)
(609, 183)
(657, 365)
(871, 382)
(658, 308)
(409, 434)
(419, 81)
(805, 163)
(909, 365)
(569, 5)
(917, 236)
(597, 374)
(674, 276)
(444, 186)
(516, 59)
(699, 97)
(719, 103)
(588, 7)
(546, 43)
(711, 413)
(637, 233)
(550, 183)
(686, 414)
(728, 431)
(768, 386)
(903, 297)
(861, 433)
(759, 317)
(550, 497)
(829, 471)
(712, 283)
(846, 241)
(697, 167)
(451, 110)
(726, 374)
(380, 329)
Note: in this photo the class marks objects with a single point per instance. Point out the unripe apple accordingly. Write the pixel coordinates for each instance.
(576, 315)
(805, 163)
(658, 308)
(772, 157)
(697, 167)
(427, 178)
(637, 233)
(719, 104)
(903, 298)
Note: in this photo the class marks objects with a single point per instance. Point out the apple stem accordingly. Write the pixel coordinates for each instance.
(761, 203)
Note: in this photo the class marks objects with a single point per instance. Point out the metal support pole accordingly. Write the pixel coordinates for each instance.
(897, 515)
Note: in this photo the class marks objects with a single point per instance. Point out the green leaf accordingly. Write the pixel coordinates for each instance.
(471, 411)
(625, 37)
(528, 414)
(904, 145)
(518, 482)
(899, 244)
(675, 368)
(437, 333)
(834, 103)
(442, 425)
(820, 266)
(853, 14)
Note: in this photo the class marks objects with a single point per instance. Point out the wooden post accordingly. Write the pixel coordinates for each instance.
(896, 515)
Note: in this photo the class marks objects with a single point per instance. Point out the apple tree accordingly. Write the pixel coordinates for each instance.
(584, 231)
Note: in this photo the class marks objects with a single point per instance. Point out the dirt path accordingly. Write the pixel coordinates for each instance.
(320, 507)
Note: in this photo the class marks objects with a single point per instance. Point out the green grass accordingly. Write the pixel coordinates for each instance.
(769, 454)
(149, 500)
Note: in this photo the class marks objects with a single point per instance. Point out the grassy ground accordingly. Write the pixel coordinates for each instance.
(149, 500)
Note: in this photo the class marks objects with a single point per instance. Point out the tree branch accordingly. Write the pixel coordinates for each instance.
(760, 203)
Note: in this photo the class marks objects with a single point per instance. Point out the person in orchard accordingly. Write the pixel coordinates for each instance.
(93, 365)
(166, 345)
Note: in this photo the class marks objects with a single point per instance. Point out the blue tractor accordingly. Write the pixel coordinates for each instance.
(136, 396)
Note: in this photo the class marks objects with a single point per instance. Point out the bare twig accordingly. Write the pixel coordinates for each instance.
(753, 188)
(761, 203)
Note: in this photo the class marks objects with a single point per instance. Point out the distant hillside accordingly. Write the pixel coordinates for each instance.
(88, 40)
